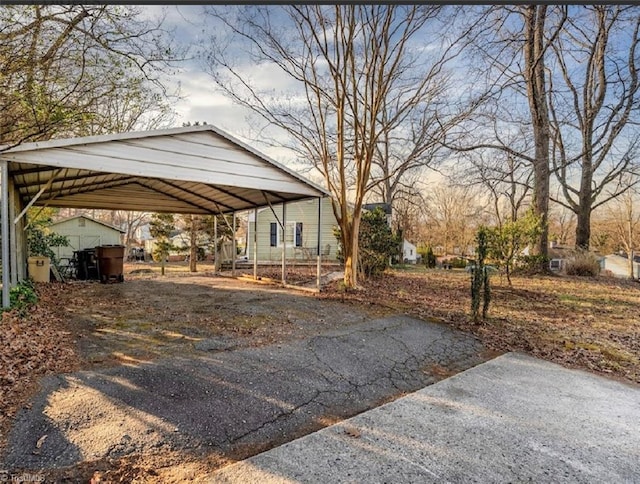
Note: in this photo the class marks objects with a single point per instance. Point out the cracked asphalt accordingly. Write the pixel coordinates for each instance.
(221, 400)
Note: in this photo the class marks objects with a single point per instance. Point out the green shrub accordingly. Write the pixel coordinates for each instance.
(377, 244)
(458, 262)
(508, 240)
(40, 242)
(530, 263)
(428, 257)
(583, 264)
(22, 296)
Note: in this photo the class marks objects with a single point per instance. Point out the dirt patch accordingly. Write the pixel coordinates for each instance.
(146, 318)
(86, 325)
(33, 343)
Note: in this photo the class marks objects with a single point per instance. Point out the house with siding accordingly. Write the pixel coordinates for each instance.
(301, 232)
(84, 232)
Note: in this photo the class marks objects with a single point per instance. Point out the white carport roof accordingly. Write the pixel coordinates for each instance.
(197, 169)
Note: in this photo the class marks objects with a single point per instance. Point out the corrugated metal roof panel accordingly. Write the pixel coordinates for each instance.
(184, 170)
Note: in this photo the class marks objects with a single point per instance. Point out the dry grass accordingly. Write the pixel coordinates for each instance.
(589, 323)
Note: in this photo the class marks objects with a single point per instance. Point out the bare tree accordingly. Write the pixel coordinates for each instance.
(506, 179)
(136, 108)
(535, 49)
(357, 71)
(595, 100)
(513, 44)
(408, 203)
(455, 212)
(562, 223)
(61, 64)
(411, 145)
(196, 227)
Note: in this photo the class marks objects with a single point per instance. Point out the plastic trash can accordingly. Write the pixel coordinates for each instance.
(39, 268)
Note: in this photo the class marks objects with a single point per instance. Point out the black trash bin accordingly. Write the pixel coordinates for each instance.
(87, 264)
(110, 262)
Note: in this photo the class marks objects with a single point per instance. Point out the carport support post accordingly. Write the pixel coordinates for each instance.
(216, 260)
(12, 234)
(255, 244)
(4, 232)
(318, 258)
(233, 248)
(284, 243)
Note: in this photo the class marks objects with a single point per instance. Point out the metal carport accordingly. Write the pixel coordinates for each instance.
(193, 170)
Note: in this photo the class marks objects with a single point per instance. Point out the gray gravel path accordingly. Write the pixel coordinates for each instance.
(222, 399)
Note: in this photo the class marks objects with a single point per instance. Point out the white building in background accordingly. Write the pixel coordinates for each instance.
(409, 254)
(84, 232)
(618, 265)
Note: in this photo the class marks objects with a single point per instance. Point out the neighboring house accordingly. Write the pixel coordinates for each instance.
(559, 256)
(84, 233)
(142, 233)
(409, 253)
(618, 265)
(301, 232)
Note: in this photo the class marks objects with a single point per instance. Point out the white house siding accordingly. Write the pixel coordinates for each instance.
(409, 252)
(304, 212)
(81, 237)
(619, 266)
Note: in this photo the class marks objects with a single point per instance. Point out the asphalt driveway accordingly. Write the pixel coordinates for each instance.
(225, 401)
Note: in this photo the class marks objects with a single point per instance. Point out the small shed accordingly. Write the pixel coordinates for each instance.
(84, 232)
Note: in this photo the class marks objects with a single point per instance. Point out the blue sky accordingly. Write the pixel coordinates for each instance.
(201, 100)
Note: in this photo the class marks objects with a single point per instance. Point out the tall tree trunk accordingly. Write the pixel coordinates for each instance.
(535, 16)
(630, 237)
(583, 222)
(350, 248)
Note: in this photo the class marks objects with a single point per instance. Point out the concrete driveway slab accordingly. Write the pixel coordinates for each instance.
(512, 419)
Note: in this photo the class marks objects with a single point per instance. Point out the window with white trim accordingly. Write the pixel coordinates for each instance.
(293, 234)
